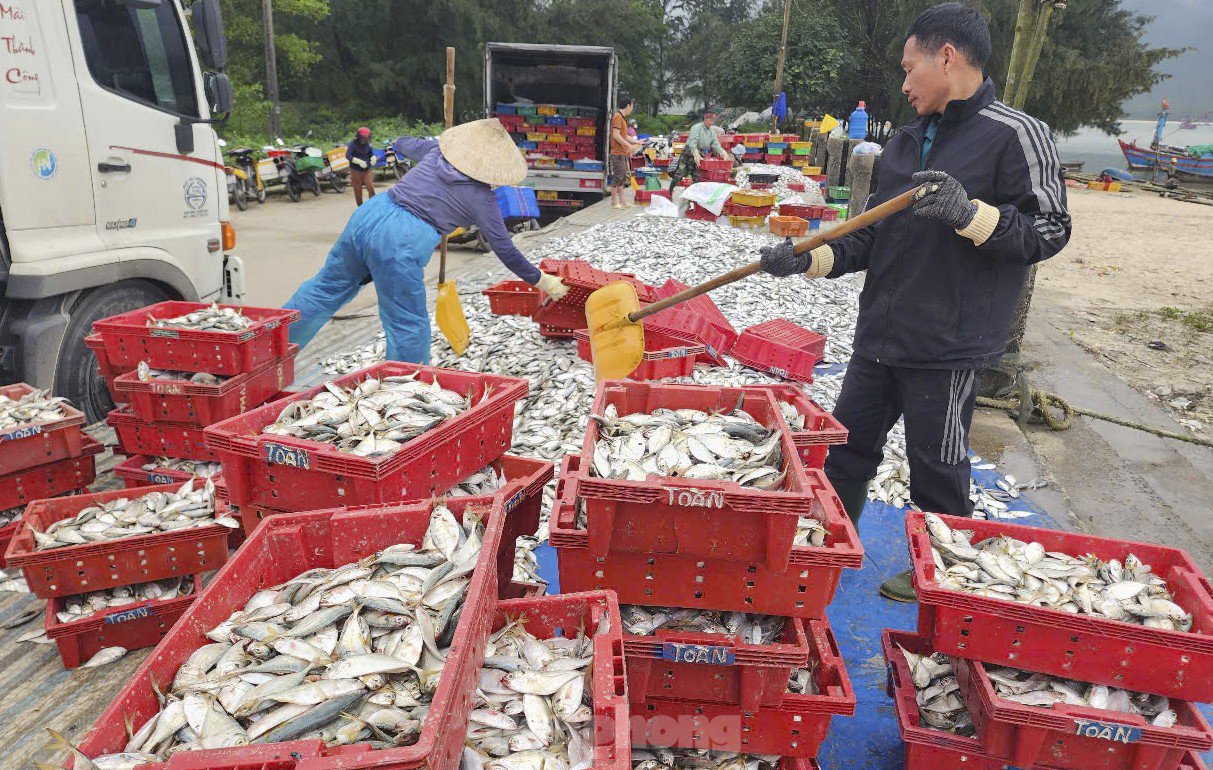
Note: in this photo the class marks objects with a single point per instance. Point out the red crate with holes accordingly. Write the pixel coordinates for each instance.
(583, 279)
(782, 348)
(159, 439)
(513, 298)
(53, 478)
(821, 429)
(664, 356)
(39, 443)
(108, 371)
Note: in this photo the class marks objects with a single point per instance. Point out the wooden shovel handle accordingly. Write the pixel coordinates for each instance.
(448, 118)
(871, 216)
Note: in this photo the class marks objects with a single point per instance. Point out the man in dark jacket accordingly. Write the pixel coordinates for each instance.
(943, 279)
(361, 155)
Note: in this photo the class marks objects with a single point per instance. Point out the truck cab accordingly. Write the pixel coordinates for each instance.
(112, 183)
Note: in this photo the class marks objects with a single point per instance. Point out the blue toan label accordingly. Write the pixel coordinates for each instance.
(1107, 731)
(134, 613)
(276, 454)
(20, 433)
(697, 653)
(160, 478)
(514, 501)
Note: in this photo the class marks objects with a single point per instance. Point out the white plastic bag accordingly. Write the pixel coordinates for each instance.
(661, 207)
(710, 195)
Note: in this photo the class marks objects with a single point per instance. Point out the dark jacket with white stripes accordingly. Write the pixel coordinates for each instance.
(932, 298)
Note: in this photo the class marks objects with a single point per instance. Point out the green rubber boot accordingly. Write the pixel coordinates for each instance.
(899, 588)
(854, 496)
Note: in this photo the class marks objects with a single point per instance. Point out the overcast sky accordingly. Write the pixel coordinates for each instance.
(1179, 23)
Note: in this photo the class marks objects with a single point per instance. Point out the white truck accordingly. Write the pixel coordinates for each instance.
(580, 75)
(112, 183)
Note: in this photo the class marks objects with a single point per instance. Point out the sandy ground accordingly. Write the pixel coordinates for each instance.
(1131, 256)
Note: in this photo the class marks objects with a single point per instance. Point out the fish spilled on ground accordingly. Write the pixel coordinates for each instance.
(147, 374)
(534, 707)
(86, 605)
(749, 627)
(688, 443)
(213, 318)
(1005, 568)
(1030, 689)
(938, 693)
(202, 468)
(189, 506)
(655, 758)
(34, 407)
(371, 419)
(346, 655)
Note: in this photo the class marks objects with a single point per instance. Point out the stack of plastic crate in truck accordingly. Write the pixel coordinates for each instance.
(1044, 648)
(723, 581)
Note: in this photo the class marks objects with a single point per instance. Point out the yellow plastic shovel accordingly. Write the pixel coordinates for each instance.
(613, 313)
(447, 309)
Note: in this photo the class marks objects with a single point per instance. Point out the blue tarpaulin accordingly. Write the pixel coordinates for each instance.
(780, 108)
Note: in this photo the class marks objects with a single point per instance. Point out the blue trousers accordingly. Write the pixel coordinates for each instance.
(392, 246)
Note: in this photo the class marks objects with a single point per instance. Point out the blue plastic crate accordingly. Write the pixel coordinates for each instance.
(556, 120)
(588, 165)
(528, 145)
(378, 158)
(517, 202)
(507, 109)
(814, 224)
(564, 163)
(777, 145)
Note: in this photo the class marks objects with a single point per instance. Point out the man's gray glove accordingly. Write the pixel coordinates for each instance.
(782, 260)
(943, 198)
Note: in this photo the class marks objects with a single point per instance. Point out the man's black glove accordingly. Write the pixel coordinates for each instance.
(782, 260)
(943, 198)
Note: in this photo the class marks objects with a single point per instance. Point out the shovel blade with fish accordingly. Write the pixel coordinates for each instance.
(613, 313)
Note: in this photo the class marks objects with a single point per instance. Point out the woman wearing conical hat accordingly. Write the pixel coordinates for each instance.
(390, 239)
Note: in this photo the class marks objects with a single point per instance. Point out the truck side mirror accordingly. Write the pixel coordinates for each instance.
(218, 94)
(208, 33)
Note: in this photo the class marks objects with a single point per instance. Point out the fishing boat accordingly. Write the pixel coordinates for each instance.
(1166, 157)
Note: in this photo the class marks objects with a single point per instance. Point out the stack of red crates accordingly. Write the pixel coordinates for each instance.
(165, 417)
(713, 545)
(979, 632)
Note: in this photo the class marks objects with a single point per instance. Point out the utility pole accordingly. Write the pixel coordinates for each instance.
(271, 68)
(783, 55)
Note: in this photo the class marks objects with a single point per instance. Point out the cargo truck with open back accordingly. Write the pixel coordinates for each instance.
(112, 185)
(557, 102)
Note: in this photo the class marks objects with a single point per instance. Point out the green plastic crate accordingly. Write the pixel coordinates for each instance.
(840, 193)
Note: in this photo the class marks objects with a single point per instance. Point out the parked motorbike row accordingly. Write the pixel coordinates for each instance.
(298, 168)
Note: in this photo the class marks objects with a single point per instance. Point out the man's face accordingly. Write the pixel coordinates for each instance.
(628, 110)
(926, 84)
(708, 120)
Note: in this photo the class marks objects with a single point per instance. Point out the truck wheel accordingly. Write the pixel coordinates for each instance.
(292, 189)
(76, 374)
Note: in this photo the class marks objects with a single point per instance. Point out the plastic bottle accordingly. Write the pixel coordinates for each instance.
(857, 128)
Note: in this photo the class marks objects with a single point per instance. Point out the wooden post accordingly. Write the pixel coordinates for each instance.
(783, 55)
(271, 69)
(448, 120)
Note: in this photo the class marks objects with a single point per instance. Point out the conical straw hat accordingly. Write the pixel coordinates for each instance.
(483, 150)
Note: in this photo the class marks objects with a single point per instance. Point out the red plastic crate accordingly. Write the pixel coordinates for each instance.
(513, 298)
(742, 210)
(828, 214)
(1076, 737)
(76, 569)
(714, 176)
(583, 279)
(162, 439)
(6, 537)
(794, 729)
(1126, 655)
(133, 476)
(188, 403)
(801, 210)
(129, 340)
(664, 356)
(662, 665)
(547, 617)
(715, 164)
(556, 332)
(53, 478)
(697, 212)
(287, 546)
(780, 347)
(39, 443)
(288, 473)
(704, 306)
(930, 749)
(133, 626)
(108, 371)
(803, 589)
(774, 160)
(821, 429)
(692, 517)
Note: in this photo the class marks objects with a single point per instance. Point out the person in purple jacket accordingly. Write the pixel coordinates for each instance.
(390, 239)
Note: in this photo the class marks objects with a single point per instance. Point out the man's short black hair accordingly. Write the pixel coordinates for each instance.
(956, 23)
(624, 101)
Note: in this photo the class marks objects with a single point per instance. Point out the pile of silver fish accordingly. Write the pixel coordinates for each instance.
(213, 318)
(688, 443)
(1005, 568)
(485, 481)
(749, 627)
(787, 174)
(656, 758)
(189, 506)
(939, 703)
(34, 407)
(346, 655)
(147, 374)
(534, 707)
(10, 515)
(86, 605)
(374, 418)
(1043, 690)
(203, 468)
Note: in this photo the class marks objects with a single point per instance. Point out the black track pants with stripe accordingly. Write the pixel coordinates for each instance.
(938, 409)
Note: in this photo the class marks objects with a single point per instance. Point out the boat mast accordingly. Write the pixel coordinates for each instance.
(1162, 122)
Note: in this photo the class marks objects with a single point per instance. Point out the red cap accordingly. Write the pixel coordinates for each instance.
(364, 131)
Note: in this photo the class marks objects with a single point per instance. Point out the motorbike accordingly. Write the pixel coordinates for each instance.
(244, 181)
(393, 163)
(297, 166)
(332, 177)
